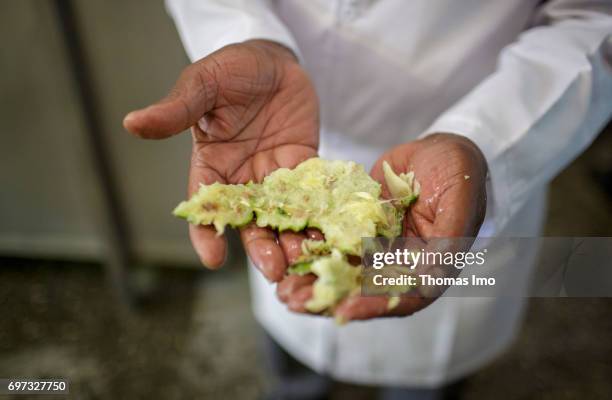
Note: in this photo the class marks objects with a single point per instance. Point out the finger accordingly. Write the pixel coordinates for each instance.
(291, 284)
(360, 308)
(211, 248)
(193, 95)
(263, 250)
(291, 243)
(297, 302)
(454, 224)
(353, 260)
(314, 234)
(460, 210)
(461, 207)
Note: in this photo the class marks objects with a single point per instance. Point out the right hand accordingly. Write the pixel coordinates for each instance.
(251, 109)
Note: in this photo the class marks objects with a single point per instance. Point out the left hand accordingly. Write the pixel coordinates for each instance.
(452, 172)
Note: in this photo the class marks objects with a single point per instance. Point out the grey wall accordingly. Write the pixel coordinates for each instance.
(50, 200)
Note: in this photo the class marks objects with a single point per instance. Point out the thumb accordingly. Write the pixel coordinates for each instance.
(193, 95)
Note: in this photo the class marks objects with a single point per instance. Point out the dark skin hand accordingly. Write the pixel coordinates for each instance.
(452, 172)
(251, 109)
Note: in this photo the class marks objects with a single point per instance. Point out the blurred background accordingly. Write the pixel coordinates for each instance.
(98, 282)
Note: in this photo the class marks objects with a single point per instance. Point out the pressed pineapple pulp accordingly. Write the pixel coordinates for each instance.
(337, 197)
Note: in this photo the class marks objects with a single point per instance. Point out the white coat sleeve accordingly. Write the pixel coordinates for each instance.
(549, 97)
(207, 25)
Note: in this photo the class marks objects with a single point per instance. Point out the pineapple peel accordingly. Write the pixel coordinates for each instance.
(402, 187)
(337, 197)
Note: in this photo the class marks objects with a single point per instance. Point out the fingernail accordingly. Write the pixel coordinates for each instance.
(204, 258)
(203, 124)
(128, 118)
(203, 261)
(261, 268)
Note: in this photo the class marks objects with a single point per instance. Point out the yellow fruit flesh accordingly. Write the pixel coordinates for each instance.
(337, 197)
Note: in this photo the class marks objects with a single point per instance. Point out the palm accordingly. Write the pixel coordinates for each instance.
(251, 109)
(452, 200)
(264, 117)
(451, 172)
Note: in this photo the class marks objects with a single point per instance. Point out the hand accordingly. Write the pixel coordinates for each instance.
(251, 109)
(452, 172)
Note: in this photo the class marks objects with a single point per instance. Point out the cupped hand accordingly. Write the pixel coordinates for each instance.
(452, 173)
(251, 109)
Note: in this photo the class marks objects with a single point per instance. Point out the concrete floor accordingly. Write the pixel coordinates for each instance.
(194, 335)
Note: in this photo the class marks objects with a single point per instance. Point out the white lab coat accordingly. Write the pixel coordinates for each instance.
(530, 83)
